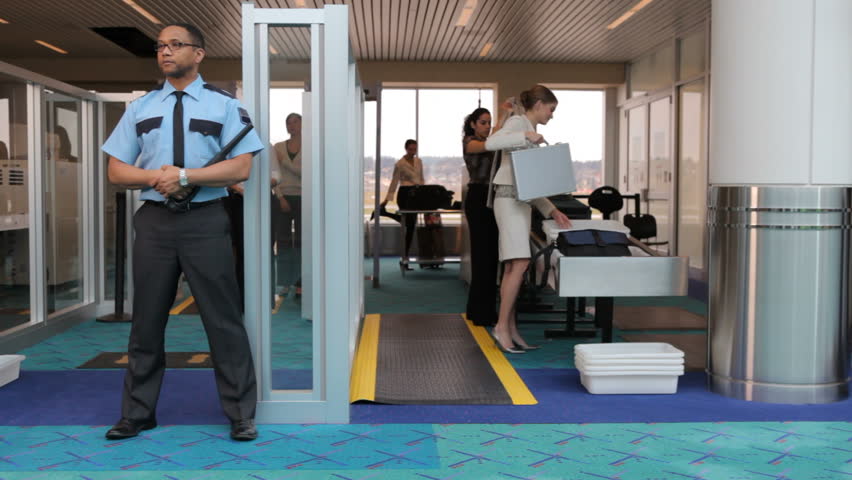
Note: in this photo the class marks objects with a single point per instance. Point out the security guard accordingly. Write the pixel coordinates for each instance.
(174, 130)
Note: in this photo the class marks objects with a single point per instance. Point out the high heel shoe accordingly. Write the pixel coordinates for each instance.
(511, 349)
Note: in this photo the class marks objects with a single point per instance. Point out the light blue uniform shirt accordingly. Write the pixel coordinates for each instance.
(211, 118)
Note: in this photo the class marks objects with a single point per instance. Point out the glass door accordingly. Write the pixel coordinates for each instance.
(111, 106)
(692, 174)
(15, 168)
(637, 153)
(660, 167)
(64, 170)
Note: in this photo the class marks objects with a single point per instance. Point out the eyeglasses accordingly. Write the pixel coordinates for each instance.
(174, 46)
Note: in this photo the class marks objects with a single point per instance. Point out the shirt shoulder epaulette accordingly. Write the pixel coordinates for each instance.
(218, 90)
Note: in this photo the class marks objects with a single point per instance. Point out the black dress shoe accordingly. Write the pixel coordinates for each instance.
(243, 430)
(127, 428)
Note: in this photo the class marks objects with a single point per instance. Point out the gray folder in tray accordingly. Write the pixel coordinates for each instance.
(544, 171)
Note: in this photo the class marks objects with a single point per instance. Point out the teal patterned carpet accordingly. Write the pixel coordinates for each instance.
(530, 450)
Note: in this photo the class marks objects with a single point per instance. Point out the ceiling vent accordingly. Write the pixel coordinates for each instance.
(130, 39)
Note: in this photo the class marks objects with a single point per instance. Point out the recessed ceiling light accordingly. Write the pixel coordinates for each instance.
(628, 14)
(52, 47)
(485, 49)
(466, 13)
(272, 50)
(300, 3)
(143, 12)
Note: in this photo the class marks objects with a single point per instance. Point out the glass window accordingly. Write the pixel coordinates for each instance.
(399, 123)
(64, 171)
(652, 72)
(692, 55)
(578, 121)
(433, 117)
(441, 118)
(370, 157)
(14, 205)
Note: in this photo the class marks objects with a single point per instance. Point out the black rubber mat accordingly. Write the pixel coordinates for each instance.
(173, 360)
(433, 359)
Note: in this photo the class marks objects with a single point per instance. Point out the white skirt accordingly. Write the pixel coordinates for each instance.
(513, 222)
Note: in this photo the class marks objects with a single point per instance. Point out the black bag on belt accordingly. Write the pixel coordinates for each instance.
(593, 243)
(429, 197)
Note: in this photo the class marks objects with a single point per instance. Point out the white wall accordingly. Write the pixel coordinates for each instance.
(781, 104)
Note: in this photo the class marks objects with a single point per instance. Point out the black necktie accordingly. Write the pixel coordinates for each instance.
(177, 132)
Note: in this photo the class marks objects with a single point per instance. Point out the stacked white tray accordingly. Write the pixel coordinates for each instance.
(629, 368)
(10, 368)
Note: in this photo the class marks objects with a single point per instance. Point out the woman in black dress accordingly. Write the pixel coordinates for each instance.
(482, 294)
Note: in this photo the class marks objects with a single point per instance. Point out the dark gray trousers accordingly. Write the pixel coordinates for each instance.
(198, 244)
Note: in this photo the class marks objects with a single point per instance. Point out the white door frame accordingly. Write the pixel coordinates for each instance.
(329, 187)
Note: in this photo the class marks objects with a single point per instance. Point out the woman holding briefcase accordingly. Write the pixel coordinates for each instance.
(513, 216)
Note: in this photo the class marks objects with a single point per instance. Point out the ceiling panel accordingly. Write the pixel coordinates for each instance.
(561, 31)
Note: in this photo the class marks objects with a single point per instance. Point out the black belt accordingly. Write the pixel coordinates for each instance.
(193, 205)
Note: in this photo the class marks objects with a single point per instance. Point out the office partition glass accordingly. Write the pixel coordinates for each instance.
(15, 165)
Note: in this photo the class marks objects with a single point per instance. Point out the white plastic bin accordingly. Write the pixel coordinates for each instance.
(637, 383)
(10, 368)
(672, 369)
(639, 362)
(611, 351)
(627, 362)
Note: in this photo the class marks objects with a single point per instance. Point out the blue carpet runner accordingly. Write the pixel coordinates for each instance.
(189, 397)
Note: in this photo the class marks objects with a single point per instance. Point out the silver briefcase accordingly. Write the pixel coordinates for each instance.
(544, 171)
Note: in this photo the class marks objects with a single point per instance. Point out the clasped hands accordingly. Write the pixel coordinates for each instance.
(166, 181)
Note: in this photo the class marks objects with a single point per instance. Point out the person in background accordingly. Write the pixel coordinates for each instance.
(288, 236)
(234, 206)
(484, 259)
(407, 173)
(64, 145)
(59, 145)
(514, 216)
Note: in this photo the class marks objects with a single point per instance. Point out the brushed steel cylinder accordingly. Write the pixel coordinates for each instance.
(779, 293)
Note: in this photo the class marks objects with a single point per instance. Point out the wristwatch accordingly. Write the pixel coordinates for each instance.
(182, 178)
